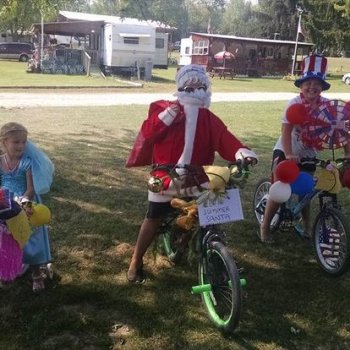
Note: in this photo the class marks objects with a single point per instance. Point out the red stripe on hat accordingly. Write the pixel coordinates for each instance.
(312, 63)
(323, 65)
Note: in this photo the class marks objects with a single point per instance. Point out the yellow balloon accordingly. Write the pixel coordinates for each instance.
(41, 215)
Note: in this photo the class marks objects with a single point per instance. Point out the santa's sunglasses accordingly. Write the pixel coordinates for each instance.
(192, 89)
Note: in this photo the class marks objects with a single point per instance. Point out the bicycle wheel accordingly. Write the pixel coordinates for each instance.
(260, 197)
(223, 301)
(331, 238)
(172, 237)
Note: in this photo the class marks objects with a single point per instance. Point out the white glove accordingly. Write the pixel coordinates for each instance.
(169, 114)
(244, 153)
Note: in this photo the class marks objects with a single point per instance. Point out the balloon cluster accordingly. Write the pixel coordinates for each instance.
(289, 179)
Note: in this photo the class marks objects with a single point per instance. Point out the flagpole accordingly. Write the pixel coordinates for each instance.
(300, 11)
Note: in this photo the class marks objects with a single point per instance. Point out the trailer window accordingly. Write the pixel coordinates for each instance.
(131, 40)
(200, 47)
(159, 43)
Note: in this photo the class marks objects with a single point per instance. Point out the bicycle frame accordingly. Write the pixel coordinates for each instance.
(219, 280)
(206, 235)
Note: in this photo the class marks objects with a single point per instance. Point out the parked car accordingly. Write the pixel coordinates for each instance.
(346, 78)
(17, 51)
(176, 46)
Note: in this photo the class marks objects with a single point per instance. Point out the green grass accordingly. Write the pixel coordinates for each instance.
(97, 207)
(13, 75)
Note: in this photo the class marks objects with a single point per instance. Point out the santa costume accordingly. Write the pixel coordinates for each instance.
(188, 134)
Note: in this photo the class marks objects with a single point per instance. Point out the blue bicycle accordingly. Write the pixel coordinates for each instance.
(330, 232)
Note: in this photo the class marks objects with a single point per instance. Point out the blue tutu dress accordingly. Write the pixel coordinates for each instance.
(37, 250)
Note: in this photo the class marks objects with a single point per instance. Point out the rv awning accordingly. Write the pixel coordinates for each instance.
(134, 35)
(68, 28)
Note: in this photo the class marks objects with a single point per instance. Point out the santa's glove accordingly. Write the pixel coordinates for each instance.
(247, 155)
(170, 113)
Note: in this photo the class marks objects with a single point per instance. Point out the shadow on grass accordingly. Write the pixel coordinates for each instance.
(97, 207)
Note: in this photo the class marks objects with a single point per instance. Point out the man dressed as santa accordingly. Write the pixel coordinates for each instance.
(183, 131)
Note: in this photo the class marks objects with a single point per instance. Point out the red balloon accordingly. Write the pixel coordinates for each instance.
(297, 114)
(287, 171)
(345, 178)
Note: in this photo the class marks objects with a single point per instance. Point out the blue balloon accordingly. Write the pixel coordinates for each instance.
(303, 185)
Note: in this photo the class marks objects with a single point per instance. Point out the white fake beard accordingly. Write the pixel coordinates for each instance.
(198, 97)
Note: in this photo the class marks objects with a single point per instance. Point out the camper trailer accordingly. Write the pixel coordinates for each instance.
(161, 53)
(115, 44)
(126, 47)
(186, 51)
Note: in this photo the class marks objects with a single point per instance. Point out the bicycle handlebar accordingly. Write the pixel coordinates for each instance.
(324, 162)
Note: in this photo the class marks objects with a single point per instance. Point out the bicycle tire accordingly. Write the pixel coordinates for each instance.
(223, 302)
(171, 234)
(259, 204)
(331, 240)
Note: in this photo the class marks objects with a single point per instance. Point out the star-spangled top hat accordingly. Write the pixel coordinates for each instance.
(314, 67)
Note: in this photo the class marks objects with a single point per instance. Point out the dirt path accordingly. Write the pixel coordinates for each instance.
(53, 99)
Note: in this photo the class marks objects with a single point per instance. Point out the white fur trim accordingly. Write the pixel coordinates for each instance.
(191, 113)
(245, 153)
(168, 195)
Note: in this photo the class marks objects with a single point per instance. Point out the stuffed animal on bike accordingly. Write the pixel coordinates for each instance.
(190, 210)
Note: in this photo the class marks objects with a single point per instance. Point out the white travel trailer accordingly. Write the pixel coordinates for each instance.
(112, 43)
(186, 51)
(161, 54)
(126, 47)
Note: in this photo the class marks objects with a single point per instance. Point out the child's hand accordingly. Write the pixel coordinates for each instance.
(292, 157)
(174, 109)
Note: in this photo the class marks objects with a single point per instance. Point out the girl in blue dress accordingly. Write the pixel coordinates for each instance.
(27, 172)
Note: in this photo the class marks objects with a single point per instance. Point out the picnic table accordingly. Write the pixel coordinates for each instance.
(222, 72)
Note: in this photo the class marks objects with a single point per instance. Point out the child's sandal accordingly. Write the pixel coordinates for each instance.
(38, 283)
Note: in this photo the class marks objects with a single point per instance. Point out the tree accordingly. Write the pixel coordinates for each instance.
(329, 28)
(277, 16)
(239, 19)
(343, 7)
(18, 16)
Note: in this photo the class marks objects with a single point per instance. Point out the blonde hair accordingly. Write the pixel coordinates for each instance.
(9, 128)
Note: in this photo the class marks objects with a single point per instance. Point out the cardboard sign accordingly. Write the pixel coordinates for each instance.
(222, 209)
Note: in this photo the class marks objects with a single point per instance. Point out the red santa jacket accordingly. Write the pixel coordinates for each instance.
(159, 143)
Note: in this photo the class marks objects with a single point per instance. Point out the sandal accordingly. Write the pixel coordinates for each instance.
(266, 240)
(38, 283)
(137, 277)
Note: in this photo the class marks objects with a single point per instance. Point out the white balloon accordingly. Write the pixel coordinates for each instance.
(280, 192)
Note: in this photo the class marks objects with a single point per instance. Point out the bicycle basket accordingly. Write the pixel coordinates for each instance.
(328, 180)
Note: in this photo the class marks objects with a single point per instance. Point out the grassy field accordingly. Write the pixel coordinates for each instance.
(97, 208)
(13, 75)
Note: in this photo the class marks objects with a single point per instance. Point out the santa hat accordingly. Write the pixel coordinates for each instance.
(191, 73)
(314, 67)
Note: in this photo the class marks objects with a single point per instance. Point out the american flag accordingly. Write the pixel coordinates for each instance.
(329, 242)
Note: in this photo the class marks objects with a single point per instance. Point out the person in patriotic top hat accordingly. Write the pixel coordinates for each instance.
(314, 67)
(182, 131)
(290, 144)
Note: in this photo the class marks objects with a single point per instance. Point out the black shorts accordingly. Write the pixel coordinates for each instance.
(278, 156)
(158, 210)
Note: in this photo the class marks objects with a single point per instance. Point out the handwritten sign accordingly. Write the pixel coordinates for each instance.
(225, 209)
